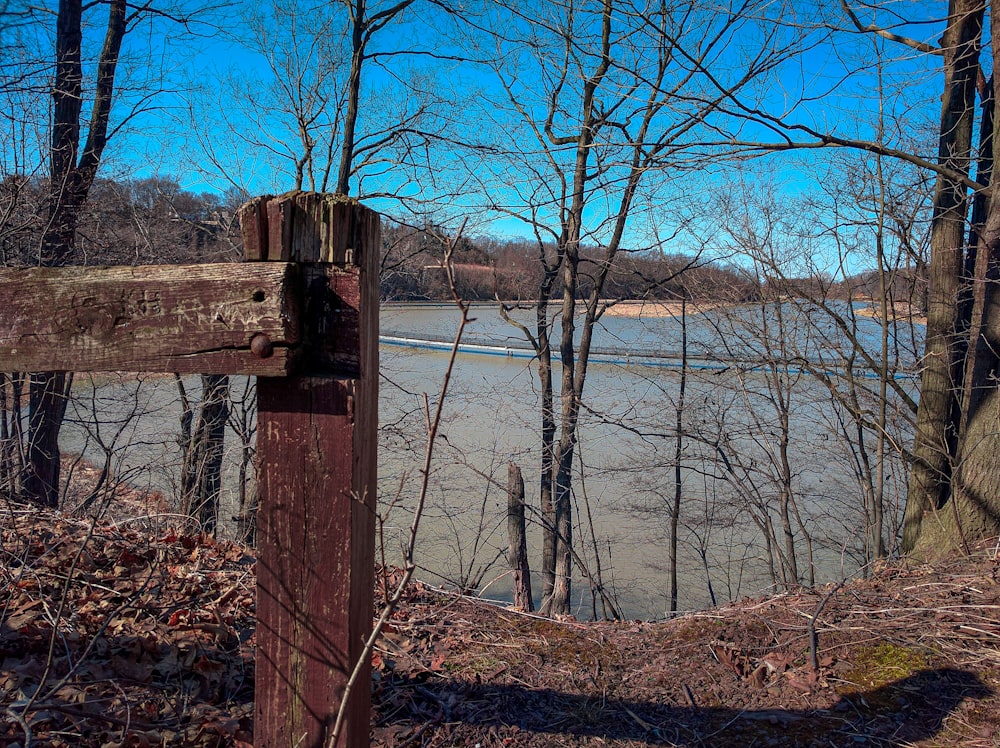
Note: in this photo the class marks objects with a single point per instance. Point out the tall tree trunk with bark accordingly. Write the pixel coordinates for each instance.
(71, 176)
(972, 510)
(48, 396)
(560, 601)
(547, 459)
(10, 442)
(201, 470)
(675, 508)
(936, 438)
(363, 28)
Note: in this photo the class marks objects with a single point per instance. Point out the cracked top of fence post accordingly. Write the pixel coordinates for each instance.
(306, 227)
(336, 240)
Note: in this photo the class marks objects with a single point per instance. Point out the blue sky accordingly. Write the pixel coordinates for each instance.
(216, 120)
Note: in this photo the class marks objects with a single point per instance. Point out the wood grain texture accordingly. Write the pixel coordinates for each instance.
(253, 228)
(306, 559)
(316, 448)
(161, 318)
(306, 227)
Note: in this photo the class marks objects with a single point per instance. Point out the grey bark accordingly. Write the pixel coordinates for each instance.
(201, 470)
(518, 553)
(935, 440)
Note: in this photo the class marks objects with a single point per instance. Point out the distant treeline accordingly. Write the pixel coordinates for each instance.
(154, 221)
(511, 269)
(486, 268)
(135, 222)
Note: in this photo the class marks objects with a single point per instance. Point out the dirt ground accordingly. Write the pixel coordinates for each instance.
(135, 634)
(909, 657)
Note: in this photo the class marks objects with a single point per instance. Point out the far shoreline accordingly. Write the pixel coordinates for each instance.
(660, 309)
(631, 308)
(638, 309)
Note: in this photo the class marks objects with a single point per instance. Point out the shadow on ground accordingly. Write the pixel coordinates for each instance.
(452, 712)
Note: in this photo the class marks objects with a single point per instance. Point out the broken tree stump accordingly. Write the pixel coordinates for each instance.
(518, 552)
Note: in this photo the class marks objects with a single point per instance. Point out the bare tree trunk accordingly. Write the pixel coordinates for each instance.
(201, 472)
(936, 431)
(47, 399)
(242, 412)
(775, 561)
(876, 545)
(518, 556)
(547, 467)
(974, 510)
(541, 342)
(973, 356)
(561, 600)
(708, 575)
(785, 506)
(353, 95)
(807, 539)
(70, 179)
(675, 509)
(16, 428)
(6, 443)
(362, 29)
(562, 592)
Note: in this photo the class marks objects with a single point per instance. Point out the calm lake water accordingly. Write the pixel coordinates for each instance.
(627, 446)
(625, 455)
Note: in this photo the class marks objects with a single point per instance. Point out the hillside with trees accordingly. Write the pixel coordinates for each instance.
(146, 221)
(488, 268)
(154, 221)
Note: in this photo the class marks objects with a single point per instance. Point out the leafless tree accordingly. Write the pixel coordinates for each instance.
(202, 445)
(951, 497)
(347, 101)
(76, 145)
(243, 422)
(861, 355)
(606, 104)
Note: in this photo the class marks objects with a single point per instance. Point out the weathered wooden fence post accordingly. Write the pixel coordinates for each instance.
(304, 319)
(316, 447)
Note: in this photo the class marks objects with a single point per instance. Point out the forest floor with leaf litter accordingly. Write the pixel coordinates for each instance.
(136, 634)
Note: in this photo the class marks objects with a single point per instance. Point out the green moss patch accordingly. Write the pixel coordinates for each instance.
(874, 666)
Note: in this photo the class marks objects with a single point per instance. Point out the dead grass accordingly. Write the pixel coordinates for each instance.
(122, 634)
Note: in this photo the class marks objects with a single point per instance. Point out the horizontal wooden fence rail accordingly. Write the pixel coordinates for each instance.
(302, 315)
(190, 319)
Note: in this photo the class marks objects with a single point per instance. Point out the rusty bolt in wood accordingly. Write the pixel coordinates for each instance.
(261, 346)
